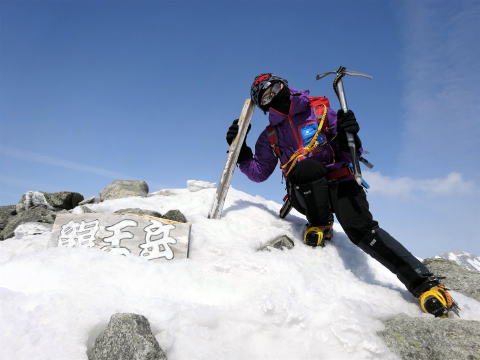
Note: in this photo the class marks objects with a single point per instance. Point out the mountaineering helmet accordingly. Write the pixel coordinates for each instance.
(261, 83)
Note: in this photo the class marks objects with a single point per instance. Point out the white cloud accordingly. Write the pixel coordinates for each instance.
(404, 187)
(18, 182)
(48, 160)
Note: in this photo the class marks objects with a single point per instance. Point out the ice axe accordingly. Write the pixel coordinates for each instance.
(338, 87)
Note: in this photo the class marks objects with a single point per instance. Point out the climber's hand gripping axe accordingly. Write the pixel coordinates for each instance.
(338, 87)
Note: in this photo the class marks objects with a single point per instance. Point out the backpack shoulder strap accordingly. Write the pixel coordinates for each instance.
(319, 100)
(317, 103)
(273, 140)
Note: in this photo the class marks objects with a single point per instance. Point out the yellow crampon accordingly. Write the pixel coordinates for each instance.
(304, 151)
(321, 234)
(440, 294)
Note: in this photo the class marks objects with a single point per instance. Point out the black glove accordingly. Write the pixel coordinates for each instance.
(233, 131)
(245, 152)
(346, 122)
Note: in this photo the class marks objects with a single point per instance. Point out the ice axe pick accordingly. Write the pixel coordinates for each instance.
(338, 87)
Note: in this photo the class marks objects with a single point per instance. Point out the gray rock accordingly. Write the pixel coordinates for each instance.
(280, 242)
(175, 215)
(456, 277)
(6, 212)
(33, 214)
(89, 200)
(432, 339)
(31, 199)
(59, 200)
(64, 200)
(138, 211)
(127, 337)
(124, 188)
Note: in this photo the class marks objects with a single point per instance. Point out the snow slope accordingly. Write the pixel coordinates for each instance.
(228, 301)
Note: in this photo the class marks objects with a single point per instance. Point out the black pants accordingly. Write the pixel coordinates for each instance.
(348, 201)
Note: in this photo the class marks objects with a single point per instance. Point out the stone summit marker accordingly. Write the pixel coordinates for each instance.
(128, 234)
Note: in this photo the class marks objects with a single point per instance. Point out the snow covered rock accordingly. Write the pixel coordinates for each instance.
(32, 228)
(33, 214)
(280, 242)
(175, 215)
(59, 200)
(432, 339)
(36, 206)
(464, 259)
(31, 199)
(124, 188)
(456, 277)
(139, 211)
(127, 336)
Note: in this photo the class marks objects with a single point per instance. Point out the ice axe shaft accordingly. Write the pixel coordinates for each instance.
(341, 95)
(338, 85)
(339, 90)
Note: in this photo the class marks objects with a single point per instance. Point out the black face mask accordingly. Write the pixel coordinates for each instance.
(281, 102)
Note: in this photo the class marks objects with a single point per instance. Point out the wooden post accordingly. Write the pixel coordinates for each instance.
(233, 152)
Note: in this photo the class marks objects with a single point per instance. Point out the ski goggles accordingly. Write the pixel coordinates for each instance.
(270, 93)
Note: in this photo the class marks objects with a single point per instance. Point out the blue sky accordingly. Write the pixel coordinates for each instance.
(94, 91)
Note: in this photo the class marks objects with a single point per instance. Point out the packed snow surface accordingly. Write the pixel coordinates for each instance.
(227, 301)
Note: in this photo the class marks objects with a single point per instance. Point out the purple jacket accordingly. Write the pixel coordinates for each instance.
(290, 140)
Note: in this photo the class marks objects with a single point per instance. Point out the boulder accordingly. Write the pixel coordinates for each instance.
(127, 337)
(124, 188)
(59, 200)
(138, 211)
(432, 339)
(280, 242)
(64, 200)
(175, 215)
(31, 199)
(6, 213)
(33, 214)
(456, 277)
